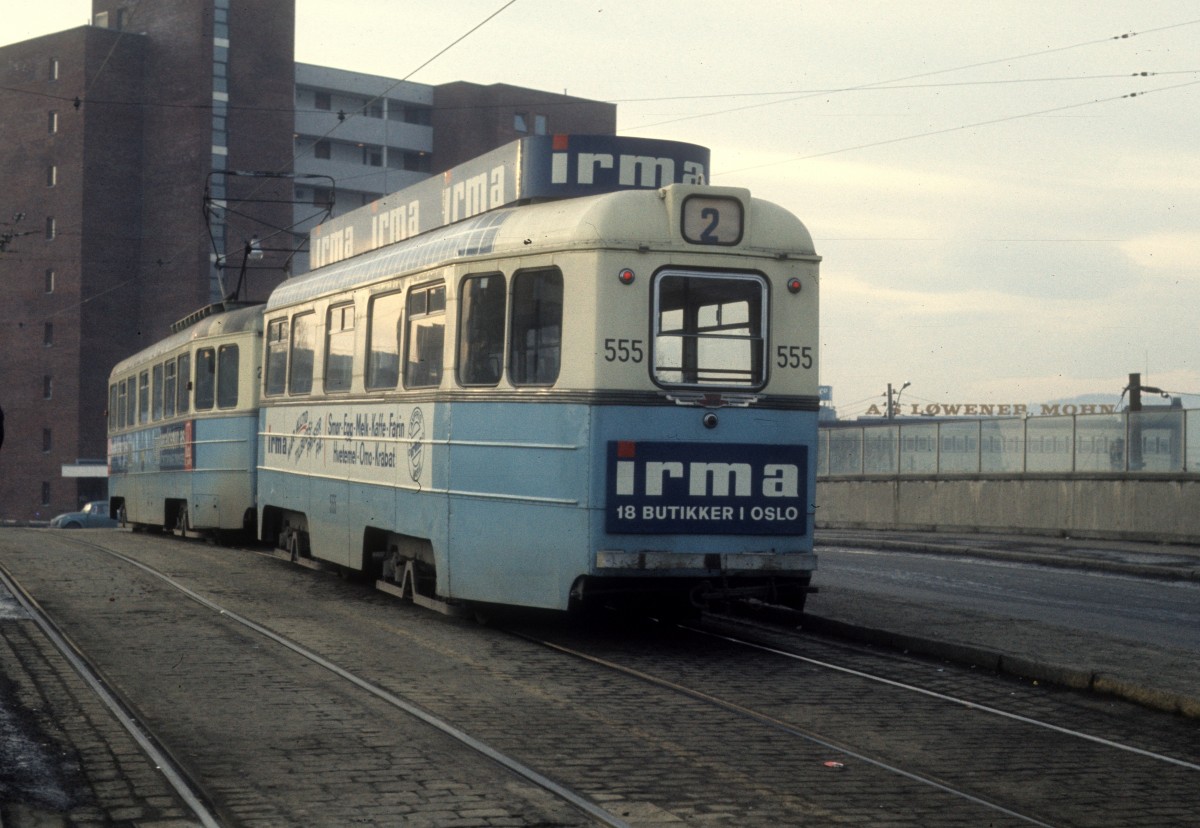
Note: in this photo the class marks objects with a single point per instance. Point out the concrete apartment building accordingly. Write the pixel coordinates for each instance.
(119, 213)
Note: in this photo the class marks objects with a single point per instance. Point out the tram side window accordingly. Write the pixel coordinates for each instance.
(156, 407)
(481, 330)
(426, 336)
(383, 349)
(122, 401)
(300, 372)
(183, 398)
(206, 377)
(112, 406)
(169, 388)
(144, 397)
(131, 411)
(708, 330)
(339, 348)
(277, 352)
(227, 376)
(535, 344)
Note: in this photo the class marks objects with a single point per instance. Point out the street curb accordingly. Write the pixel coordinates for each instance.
(1010, 664)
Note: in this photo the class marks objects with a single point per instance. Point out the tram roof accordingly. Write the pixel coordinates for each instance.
(627, 219)
(238, 320)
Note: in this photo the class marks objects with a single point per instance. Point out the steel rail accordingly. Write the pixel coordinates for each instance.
(163, 761)
(566, 794)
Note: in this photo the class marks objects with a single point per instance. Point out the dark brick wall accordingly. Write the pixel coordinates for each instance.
(132, 250)
(470, 119)
(39, 331)
(262, 121)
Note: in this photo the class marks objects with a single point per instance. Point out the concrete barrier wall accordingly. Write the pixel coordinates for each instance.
(1153, 508)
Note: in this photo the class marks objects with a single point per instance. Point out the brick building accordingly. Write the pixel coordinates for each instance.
(116, 135)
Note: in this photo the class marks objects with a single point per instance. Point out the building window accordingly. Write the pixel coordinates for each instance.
(102, 20)
(53, 74)
(419, 115)
(48, 334)
(52, 175)
(539, 125)
(47, 387)
(322, 197)
(45, 494)
(520, 122)
(50, 280)
(374, 109)
(51, 228)
(322, 100)
(322, 150)
(52, 122)
(47, 441)
(373, 156)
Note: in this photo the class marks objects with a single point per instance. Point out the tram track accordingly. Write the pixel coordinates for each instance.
(846, 748)
(695, 722)
(190, 793)
(178, 777)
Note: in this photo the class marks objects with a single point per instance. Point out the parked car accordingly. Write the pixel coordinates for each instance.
(94, 515)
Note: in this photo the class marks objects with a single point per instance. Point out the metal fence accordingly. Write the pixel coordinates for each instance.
(1165, 441)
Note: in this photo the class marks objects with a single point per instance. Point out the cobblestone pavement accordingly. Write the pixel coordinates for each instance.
(66, 760)
(280, 741)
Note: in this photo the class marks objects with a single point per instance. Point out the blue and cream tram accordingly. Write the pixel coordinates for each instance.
(182, 426)
(593, 378)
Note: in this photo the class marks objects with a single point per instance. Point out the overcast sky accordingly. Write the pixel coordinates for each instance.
(1008, 210)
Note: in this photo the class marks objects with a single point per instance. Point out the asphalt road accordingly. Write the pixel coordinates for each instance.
(1140, 610)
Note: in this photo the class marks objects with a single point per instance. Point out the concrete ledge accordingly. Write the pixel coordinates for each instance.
(1156, 508)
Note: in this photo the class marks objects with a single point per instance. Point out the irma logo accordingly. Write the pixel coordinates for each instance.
(703, 488)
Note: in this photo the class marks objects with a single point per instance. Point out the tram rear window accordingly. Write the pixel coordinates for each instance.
(708, 329)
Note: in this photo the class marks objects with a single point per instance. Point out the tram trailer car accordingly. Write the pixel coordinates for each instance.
(183, 424)
(604, 398)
